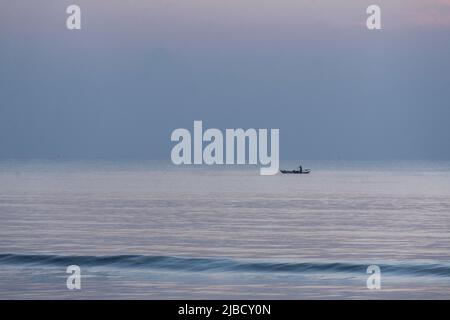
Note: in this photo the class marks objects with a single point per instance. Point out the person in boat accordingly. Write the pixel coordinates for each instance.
(300, 169)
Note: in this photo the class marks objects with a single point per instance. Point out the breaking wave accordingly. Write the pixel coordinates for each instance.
(187, 264)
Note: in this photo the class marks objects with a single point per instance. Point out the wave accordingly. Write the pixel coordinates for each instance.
(217, 264)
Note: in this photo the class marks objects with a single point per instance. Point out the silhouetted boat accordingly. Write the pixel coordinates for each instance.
(306, 171)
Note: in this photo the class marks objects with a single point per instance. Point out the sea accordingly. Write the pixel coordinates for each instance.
(153, 230)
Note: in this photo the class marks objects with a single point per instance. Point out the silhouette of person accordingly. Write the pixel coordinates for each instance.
(301, 169)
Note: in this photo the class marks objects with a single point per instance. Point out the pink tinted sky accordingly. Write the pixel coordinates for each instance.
(398, 13)
(260, 18)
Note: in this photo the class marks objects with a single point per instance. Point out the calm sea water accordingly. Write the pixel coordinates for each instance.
(151, 230)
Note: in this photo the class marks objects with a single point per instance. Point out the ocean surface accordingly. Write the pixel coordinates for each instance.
(151, 230)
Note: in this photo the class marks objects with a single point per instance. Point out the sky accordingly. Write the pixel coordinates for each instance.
(139, 69)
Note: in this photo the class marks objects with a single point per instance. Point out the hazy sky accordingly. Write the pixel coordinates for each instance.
(139, 69)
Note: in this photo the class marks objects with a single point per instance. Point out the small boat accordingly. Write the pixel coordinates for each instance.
(306, 171)
(299, 171)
